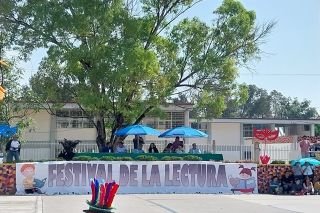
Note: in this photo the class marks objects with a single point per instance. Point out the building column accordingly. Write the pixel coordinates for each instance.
(186, 123)
(53, 136)
(186, 117)
(211, 142)
(312, 131)
(272, 126)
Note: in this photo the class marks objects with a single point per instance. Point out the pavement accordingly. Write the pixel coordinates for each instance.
(165, 203)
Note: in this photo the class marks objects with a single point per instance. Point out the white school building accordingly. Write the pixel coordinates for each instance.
(231, 137)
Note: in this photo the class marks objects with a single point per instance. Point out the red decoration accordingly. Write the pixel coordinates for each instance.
(266, 135)
(264, 159)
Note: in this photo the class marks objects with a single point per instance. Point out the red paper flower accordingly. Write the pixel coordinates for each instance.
(264, 159)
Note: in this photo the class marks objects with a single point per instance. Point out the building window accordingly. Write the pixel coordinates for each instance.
(247, 130)
(171, 120)
(72, 119)
(86, 123)
(75, 124)
(63, 113)
(76, 113)
(200, 126)
(306, 128)
(247, 155)
(177, 119)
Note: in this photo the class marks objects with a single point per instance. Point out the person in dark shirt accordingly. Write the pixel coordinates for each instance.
(287, 182)
(153, 148)
(108, 148)
(297, 187)
(274, 186)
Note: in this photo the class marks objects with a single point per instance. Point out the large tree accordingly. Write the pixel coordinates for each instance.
(258, 103)
(120, 59)
(261, 104)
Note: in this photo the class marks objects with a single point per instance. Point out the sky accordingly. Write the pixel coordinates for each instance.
(291, 59)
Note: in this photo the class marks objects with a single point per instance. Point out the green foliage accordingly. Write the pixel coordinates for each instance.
(172, 158)
(146, 158)
(107, 158)
(121, 65)
(258, 103)
(95, 159)
(123, 159)
(82, 158)
(192, 158)
(278, 162)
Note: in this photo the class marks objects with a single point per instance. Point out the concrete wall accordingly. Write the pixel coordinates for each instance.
(39, 129)
(226, 133)
(84, 134)
(227, 138)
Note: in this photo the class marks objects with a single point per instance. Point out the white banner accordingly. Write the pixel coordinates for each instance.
(73, 177)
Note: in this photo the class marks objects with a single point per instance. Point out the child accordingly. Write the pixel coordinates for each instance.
(297, 187)
(287, 182)
(308, 186)
(316, 186)
(274, 186)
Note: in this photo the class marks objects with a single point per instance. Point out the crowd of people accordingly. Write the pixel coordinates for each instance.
(138, 143)
(301, 181)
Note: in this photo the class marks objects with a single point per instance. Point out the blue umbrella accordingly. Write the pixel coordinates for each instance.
(302, 161)
(7, 131)
(137, 130)
(184, 132)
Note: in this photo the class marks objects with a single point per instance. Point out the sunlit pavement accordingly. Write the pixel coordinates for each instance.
(183, 203)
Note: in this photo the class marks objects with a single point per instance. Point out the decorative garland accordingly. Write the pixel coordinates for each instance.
(102, 196)
(265, 135)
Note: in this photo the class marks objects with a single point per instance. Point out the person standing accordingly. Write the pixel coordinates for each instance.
(297, 171)
(305, 147)
(13, 149)
(307, 170)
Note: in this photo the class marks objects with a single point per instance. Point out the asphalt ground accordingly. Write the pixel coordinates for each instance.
(165, 203)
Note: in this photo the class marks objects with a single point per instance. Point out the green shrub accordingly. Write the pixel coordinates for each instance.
(192, 158)
(146, 158)
(95, 159)
(107, 158)
(172, 158)
(124, 159)
(82, 158)
(278, 162)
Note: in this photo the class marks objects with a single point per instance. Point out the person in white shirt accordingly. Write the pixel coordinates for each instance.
(307, 170)
(194, 149)
(13, 149)
(120, 148)
(180, 150)
(140, 148)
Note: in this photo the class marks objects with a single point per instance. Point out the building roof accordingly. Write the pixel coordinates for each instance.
(263, 121)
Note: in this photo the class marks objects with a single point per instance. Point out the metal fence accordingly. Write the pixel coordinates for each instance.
(284, 152)
(44, 150)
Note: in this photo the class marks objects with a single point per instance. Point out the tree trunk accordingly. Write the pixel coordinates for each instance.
(119, 120)
(101, 132)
